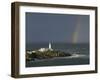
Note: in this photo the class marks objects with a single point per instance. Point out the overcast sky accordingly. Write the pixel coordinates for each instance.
(44, 27)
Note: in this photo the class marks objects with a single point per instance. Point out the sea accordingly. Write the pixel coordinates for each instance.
(80, 54)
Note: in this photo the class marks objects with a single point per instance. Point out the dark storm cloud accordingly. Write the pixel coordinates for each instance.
(43, 27)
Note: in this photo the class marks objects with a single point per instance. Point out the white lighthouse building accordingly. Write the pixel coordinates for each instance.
(50, 46)
(46, 49)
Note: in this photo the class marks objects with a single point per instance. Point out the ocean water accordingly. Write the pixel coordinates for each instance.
(80, 54)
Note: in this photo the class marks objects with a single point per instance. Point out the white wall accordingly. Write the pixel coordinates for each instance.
(5, 40)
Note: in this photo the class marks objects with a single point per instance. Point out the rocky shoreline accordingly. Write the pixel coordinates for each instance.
(46, 54)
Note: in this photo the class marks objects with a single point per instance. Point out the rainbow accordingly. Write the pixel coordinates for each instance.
(77, 30)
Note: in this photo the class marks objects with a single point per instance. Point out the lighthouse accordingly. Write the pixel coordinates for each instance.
(46, 49)
(50, 46)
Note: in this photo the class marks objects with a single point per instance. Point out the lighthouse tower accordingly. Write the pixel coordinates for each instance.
(50, 46)
(46, 49)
